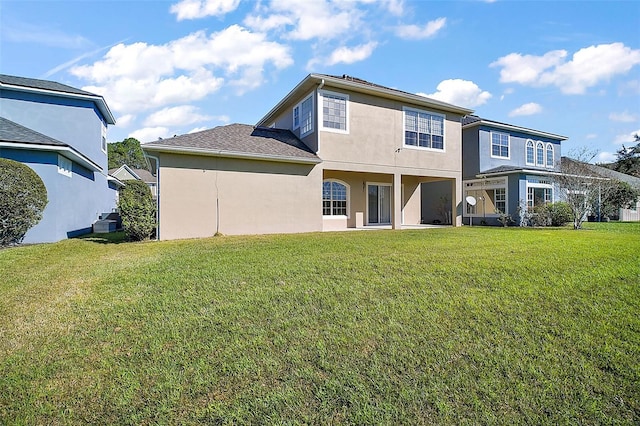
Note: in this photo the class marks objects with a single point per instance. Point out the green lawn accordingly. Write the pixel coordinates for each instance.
(456, 326)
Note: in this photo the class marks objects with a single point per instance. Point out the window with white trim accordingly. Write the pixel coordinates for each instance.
(499, 145)
(296, 117)
(549, 155)
(334, 198)
(306, 116)
(334, 111)
(540, 154)
(500, 200)
(538, 196)
(64, 166)
(423, 129)
(530, 153)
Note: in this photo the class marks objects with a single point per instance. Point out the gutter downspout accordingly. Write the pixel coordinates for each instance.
(157, 160)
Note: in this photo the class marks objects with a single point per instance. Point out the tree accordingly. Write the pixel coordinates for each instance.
(137, 210)
(621, 197)
(628, 159)
(23, 198)
(582, 188)
(126, 152)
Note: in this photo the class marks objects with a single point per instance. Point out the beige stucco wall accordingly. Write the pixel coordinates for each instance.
(374, 145)
(375, 141)
(200, 196)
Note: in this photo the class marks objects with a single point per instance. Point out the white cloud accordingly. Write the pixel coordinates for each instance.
(269, 23)
(605, 157)
(150, 134)
(395, 7)
(591, 136)
(460, 92)
(415, 32)
(348, 55)
(306, 20)
(526, 69)
(125, 120)
(588, 67)
(623, 117)
(140, 76)
(194, 9)
(176, 116)
(530, 108)
(627, 138)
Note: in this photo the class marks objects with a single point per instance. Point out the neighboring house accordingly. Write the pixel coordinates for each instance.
(124, 173)
(506, 166)
(334, 153)
(631, 214)
(60, 132)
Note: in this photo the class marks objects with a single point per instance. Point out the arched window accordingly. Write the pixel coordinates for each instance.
(549, 155)
(540, 154)
(530, 157)
(334, 198)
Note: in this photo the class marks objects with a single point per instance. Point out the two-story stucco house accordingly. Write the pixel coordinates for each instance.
(506, 166)
(60, 132)
(334, 153)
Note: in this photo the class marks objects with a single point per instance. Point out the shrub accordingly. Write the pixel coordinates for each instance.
(23, 198)
(503, 218)
(138, 210)
(560, 213)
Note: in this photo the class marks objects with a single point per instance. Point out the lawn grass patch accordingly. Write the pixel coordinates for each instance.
(460, 325)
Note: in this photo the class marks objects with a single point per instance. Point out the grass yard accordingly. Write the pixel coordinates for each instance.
(448, 326)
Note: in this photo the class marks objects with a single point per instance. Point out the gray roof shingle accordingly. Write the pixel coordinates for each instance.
(241, 139)
(14, 132)
(41, 84)
(604, 172)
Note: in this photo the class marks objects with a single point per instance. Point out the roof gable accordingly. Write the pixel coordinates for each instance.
(358, 85)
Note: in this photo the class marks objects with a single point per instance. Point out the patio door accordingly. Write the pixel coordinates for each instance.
(379, 204)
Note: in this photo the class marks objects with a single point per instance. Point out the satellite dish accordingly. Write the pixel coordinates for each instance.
(471, 200)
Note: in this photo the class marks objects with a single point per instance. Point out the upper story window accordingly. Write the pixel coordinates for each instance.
(306, 116)
(64, 166)
(499, 145)
(530, 152)
(334, 198)
(423, 129)
(104, 138)
(335, 111)
(296, 117)
(549, 155)
(540, 154)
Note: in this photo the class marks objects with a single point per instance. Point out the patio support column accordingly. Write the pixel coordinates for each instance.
(396, 220)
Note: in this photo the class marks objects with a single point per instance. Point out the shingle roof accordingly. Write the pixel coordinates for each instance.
(604, 172)
(14, 132)
(42, 84)
(475, 120)
(145, 175)
(468, 119)
(239, 139)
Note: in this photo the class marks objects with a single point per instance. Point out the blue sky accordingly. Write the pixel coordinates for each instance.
(172, 67)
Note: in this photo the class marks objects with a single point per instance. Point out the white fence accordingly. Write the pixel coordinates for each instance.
(628, 215)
